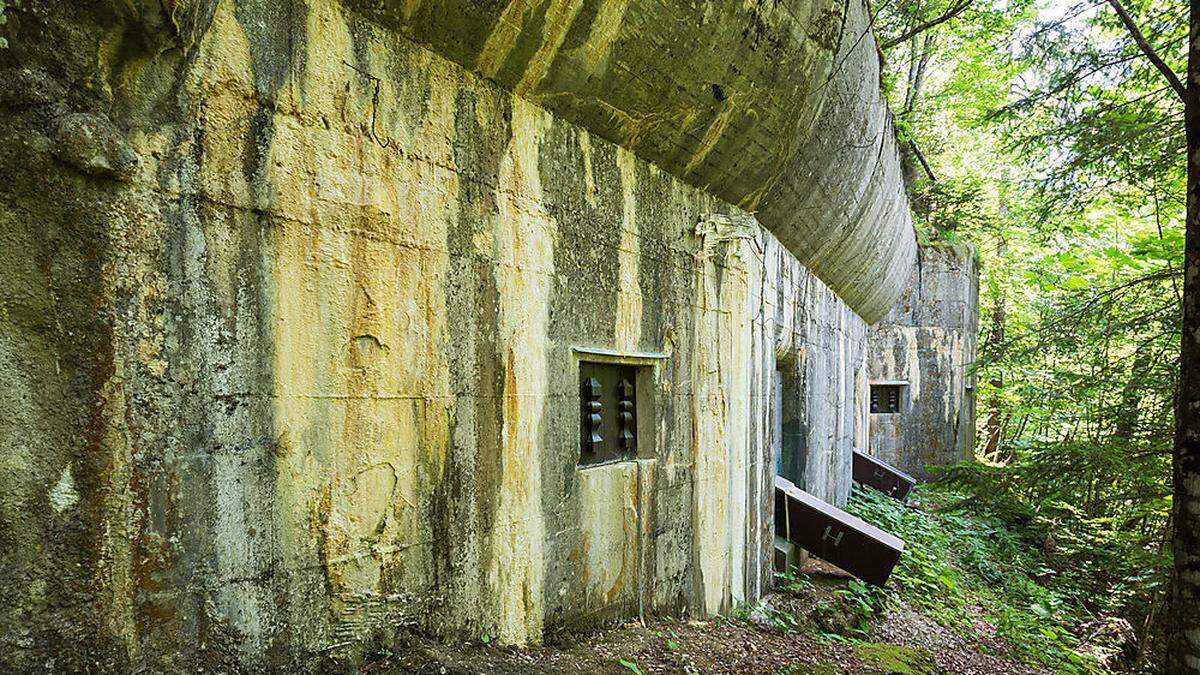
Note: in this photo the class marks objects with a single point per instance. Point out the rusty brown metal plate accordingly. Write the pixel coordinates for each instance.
(833, 535)
(882, 476)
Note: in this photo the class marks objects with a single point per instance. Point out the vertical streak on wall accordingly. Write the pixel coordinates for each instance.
(239, 533)
(839, 451)
(808, 353)
(861, 408)
(629, 292)
(720, 414)
(709, 454)
(116, 562)
(760, 276)
(736, 298)
(503, 37)
(589, 177)
(559, 17)
(598, 46)
(361, 383)
(524, 243)
(914, 364)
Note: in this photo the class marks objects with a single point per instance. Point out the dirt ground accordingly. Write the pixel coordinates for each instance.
(903, 641)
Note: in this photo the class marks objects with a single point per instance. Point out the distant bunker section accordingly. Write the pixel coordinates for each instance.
(922, 365)
(303, 302)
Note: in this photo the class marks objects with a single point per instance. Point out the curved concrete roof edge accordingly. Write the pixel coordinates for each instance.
(775, 108)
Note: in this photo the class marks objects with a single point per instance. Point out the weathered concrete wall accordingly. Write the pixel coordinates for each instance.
(748, 100)
(807, 389)
(288, 332)
(799, 329)
(813, 342)
(928, 342)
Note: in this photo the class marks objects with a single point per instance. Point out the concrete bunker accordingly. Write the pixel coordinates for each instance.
(321, 282)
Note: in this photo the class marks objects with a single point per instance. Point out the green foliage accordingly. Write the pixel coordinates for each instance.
(1057, 148)
(1101, 541)
(782, 620)
(670, 639)
(956, 559)
(631, 666)
(3, 20)
(924, 578)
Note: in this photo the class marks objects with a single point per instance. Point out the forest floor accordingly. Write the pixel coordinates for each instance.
(903, 642)
(960, 601)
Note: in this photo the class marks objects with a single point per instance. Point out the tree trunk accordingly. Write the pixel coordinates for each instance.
(1183, 651)
(994, 428)
(1129, 416)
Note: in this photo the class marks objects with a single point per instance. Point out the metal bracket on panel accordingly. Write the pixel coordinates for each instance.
(591, 408)
(625, 408)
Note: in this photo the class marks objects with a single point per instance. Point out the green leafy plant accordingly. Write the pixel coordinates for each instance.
(632, 666)
(957, 558)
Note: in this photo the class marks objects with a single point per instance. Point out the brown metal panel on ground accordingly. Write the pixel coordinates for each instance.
(882, 476)
(833, 535)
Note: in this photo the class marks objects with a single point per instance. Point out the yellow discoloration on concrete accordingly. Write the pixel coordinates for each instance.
(716, 130)
(524, 241)
(281, 292)
(504, 36)
(605, 29)
(223, 72)
(225, 108)
(736, 299)
(608, 497)
(647, 491)
(629, 291)
(117, 563)
(361, 385)
(410, 8)
(559, 17)
(711, 361)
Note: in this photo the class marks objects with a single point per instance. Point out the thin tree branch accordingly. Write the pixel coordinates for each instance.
(921, 158)
(918, 73)
(1142, 44)
(1079, 9)
(954, 10)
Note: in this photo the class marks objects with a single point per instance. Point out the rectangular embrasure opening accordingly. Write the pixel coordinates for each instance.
(887, 399)
(608, 424)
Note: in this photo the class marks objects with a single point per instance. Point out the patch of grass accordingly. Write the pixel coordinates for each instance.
(804, 607)
(631, 666)
(670, 640)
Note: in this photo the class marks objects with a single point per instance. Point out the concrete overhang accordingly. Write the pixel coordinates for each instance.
(773, 106)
